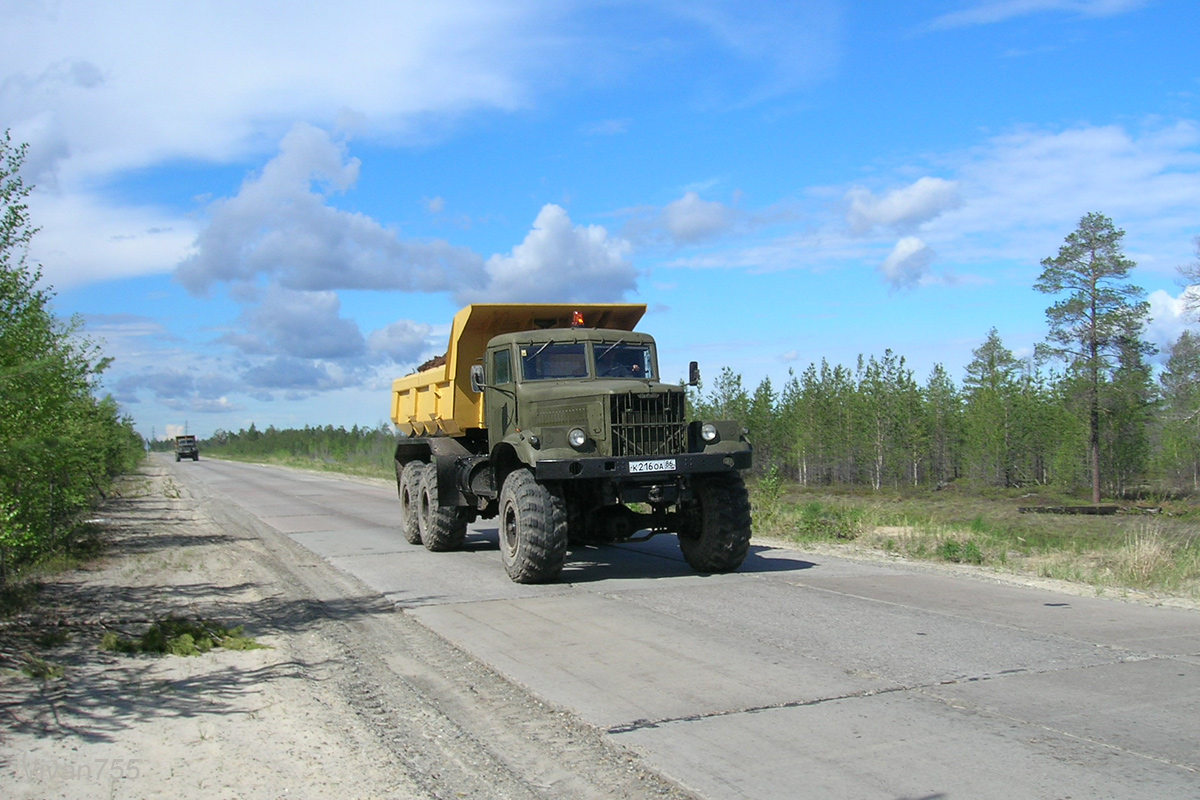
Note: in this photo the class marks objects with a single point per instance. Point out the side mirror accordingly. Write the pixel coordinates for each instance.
(693, 374)
(477, 378)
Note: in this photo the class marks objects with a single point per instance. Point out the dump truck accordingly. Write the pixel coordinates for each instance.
(553, 418)
(186, 447)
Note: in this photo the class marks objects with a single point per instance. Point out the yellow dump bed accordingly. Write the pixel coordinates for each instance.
(439, 400)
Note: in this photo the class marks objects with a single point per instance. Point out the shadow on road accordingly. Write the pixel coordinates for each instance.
(658, 557)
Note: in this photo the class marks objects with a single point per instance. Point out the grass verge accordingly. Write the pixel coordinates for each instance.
(1155, 550)
(361, 468)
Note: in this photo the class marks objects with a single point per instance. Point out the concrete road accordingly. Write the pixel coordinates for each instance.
(799, 676)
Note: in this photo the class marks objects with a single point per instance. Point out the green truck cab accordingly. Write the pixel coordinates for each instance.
(186, 447)
(567, 434)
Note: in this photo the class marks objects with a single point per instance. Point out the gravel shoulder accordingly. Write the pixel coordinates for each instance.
(351, 698)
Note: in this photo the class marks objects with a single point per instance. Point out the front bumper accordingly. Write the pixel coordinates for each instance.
(645, 469)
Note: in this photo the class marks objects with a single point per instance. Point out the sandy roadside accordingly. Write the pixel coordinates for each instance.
(350, 700)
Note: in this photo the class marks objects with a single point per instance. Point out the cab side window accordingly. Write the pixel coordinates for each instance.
(501, 367)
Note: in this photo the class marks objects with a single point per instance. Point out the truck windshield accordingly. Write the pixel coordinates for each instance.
(624, 360)
(554, 361)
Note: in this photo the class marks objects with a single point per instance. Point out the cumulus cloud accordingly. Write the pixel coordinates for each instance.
(402, 341)
(559, 262)
(299, 324)
(691, 219)
(177, 389)
(901, 209)
(281, 225)
(908, 263)
(1168, 318)
(298, 377)
(687, 221)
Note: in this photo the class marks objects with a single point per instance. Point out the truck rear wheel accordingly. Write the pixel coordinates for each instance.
(533, 529)
(408, 485)
(715, 533)
(442, 527)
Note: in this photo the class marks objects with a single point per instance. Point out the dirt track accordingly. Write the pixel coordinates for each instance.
(352, 699)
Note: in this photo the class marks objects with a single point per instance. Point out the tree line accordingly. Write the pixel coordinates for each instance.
(366, 446)
(1086, 414)
(61, 445)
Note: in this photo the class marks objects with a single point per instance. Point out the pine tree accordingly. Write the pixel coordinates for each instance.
(1128, 405)
(1099, 307)
(990, 389)
(943, 424)
(1179, 441)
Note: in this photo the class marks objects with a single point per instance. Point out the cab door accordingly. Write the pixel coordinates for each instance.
(499, 401)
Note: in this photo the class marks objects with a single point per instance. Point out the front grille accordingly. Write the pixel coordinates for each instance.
(648, 425)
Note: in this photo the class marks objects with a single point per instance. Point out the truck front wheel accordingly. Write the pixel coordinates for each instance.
(533, 529)
(408, 484)
(715, 533)
(442, 527)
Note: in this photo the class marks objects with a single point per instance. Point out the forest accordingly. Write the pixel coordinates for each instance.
(1008, 424)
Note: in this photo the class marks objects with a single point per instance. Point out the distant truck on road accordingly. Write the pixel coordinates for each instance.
(553, 418)
(186, 447)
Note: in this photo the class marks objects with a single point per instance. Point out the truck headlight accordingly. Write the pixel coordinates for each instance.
(577, 438)
(708, 432)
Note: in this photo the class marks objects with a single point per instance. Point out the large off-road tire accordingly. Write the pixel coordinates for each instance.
(533, 529)
(715, 534)
(442, 527)
(408, 486)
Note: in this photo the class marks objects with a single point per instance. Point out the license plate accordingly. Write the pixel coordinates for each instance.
(661, 465)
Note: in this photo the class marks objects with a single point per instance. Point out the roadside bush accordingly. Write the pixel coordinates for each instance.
(181, 637)
(60, 447)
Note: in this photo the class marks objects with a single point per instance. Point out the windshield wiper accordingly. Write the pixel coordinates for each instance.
(539, 351)
(609, 350)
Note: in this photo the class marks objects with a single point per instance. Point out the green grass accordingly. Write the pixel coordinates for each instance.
(181, 637)
(1133, 550)
(41, 670)
(361, 467)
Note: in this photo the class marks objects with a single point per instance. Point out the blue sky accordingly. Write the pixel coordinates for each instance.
(266, 215)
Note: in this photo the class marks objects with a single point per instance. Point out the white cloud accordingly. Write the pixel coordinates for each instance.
(281, 226)
(559, 262)
(129, 83)
(691, 219)
(1012, 199)
(132, 82)
(1168, 318)
(402, 341)
(901, 209)
(908, 263)
(1024, 191)
(298, 377)
(83, 239)
(993, 11)
(302, 325)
